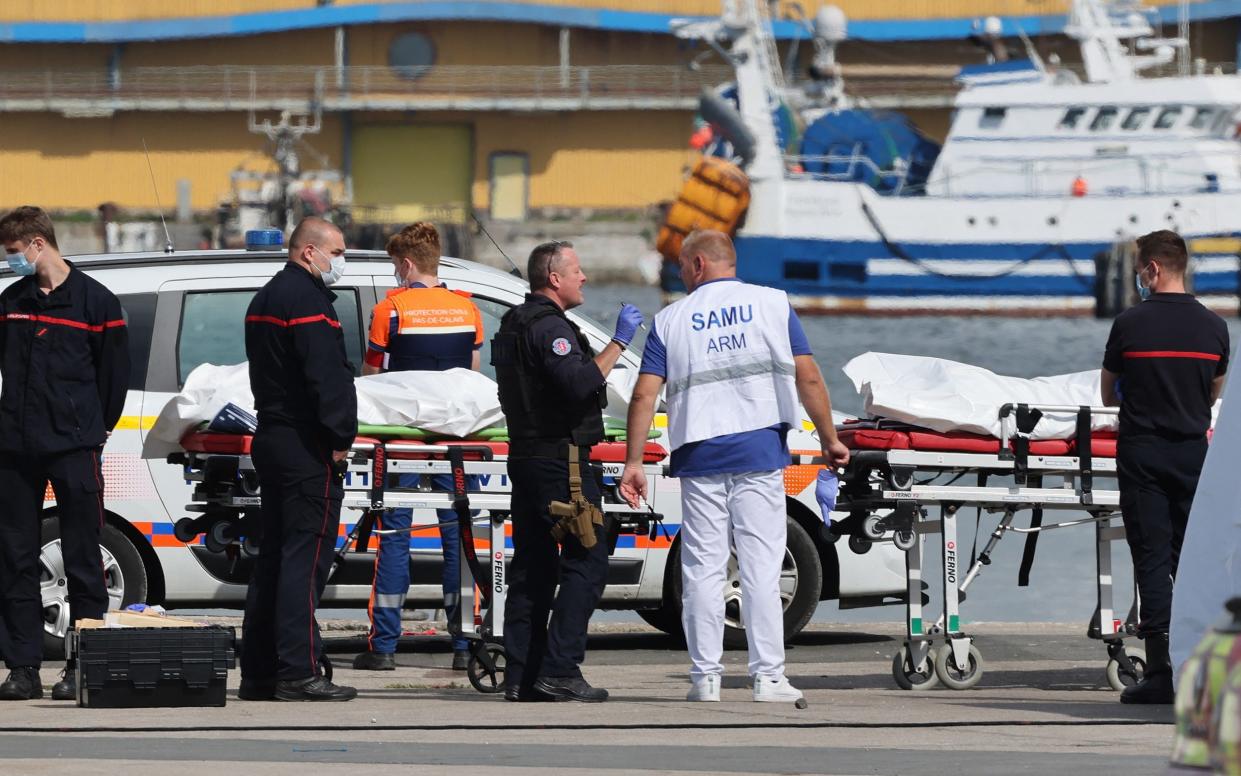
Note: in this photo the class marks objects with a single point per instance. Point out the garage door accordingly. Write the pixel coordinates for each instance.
(407, 173)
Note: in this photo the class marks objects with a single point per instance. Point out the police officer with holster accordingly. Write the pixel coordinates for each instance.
(307, 409)
(552, 389)
(1164, 366)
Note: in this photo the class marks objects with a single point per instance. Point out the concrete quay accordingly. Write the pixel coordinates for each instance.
(1042, 706)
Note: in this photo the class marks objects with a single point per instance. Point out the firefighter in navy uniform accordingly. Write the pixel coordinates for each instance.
(552, 390)
(64, 358)
(307, 410)
(1168, 355)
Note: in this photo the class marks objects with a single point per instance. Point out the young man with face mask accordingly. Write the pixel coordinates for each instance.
(302, 383)
(1168, 355)
(64, 358)
(421, 325)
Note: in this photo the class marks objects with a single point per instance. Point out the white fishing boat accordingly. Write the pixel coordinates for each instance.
(1042, 173)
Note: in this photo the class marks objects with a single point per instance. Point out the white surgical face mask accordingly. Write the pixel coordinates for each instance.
(337, 267)
(20, 264)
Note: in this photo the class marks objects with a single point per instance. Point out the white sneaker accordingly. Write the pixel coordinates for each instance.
(705, 688)
(768, 690)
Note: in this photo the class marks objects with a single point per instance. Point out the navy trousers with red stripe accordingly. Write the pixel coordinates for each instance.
(77, 481)
(1158, 478)
(301, 499)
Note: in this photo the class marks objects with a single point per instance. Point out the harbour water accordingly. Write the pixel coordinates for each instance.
(1062, 580)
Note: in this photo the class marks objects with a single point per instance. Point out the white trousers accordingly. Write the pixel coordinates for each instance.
(749, 509)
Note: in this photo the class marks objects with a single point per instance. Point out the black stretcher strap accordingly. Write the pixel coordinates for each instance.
(1027, 555)
(366, 524)
(465, 522)
(1027, 418)
(1084, 456)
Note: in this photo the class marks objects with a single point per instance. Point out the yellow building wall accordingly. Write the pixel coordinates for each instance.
(626, 159)
(612, 159)
(77, 164)
(111, 10)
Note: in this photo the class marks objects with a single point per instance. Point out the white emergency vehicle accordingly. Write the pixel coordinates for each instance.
(186, 308)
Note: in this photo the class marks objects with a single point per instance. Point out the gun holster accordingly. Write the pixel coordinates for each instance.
(578, 517)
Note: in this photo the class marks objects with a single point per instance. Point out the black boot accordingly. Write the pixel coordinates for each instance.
(23, 684)
(316, 688)
(375, 661)
(67, 688)
(1156, 683)
(570, 688)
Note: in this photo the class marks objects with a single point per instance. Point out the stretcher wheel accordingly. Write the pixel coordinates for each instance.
(249, 483)
(904, 540)
(217, 536)
(900, 481)
(1117, 678)
(325, 667)
(859, 544)
(250, 547)
(184, 530)
(909, 678)
(486, 669)
(871, 527)
(953, 676)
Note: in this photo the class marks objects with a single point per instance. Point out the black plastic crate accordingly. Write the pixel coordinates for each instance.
(153, 667)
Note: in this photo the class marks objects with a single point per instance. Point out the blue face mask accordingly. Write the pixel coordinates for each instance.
(1144, 292)
(20, 264)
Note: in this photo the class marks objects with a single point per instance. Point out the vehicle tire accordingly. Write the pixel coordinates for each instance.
(124, 570)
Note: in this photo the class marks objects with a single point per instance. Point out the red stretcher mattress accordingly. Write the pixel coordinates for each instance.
(1102, 444)
(239, 444)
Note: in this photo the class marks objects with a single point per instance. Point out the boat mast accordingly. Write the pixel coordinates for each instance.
(759, 81)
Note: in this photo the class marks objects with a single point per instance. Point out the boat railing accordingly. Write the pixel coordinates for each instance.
(891, 180)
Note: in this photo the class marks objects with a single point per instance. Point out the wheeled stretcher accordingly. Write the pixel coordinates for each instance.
(226, 498)
(905, 482)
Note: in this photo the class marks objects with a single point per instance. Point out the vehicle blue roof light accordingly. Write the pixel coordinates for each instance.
(264, 239)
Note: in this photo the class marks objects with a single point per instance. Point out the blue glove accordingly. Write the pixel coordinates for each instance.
(627, 324)
(825, 488)
(1116, 389)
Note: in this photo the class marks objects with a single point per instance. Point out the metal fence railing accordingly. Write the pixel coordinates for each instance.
(240, 85)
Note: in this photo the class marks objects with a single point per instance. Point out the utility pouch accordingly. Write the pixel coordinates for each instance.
(578, 517)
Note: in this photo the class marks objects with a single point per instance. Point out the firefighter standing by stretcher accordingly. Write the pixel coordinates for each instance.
(303, 389)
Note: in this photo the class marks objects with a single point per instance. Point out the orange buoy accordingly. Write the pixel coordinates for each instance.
(1079, 186)
(715, 196)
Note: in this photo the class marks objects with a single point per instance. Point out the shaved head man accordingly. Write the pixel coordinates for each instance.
(735, 361)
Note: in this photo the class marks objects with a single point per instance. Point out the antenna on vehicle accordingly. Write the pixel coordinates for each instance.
(513, 264)
(167, 237)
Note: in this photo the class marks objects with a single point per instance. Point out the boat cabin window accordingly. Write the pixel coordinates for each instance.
(992, 118)
(1070, 118)
(1104, 119)
(1136, 118)
(1202, 118)
(1168, 117)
